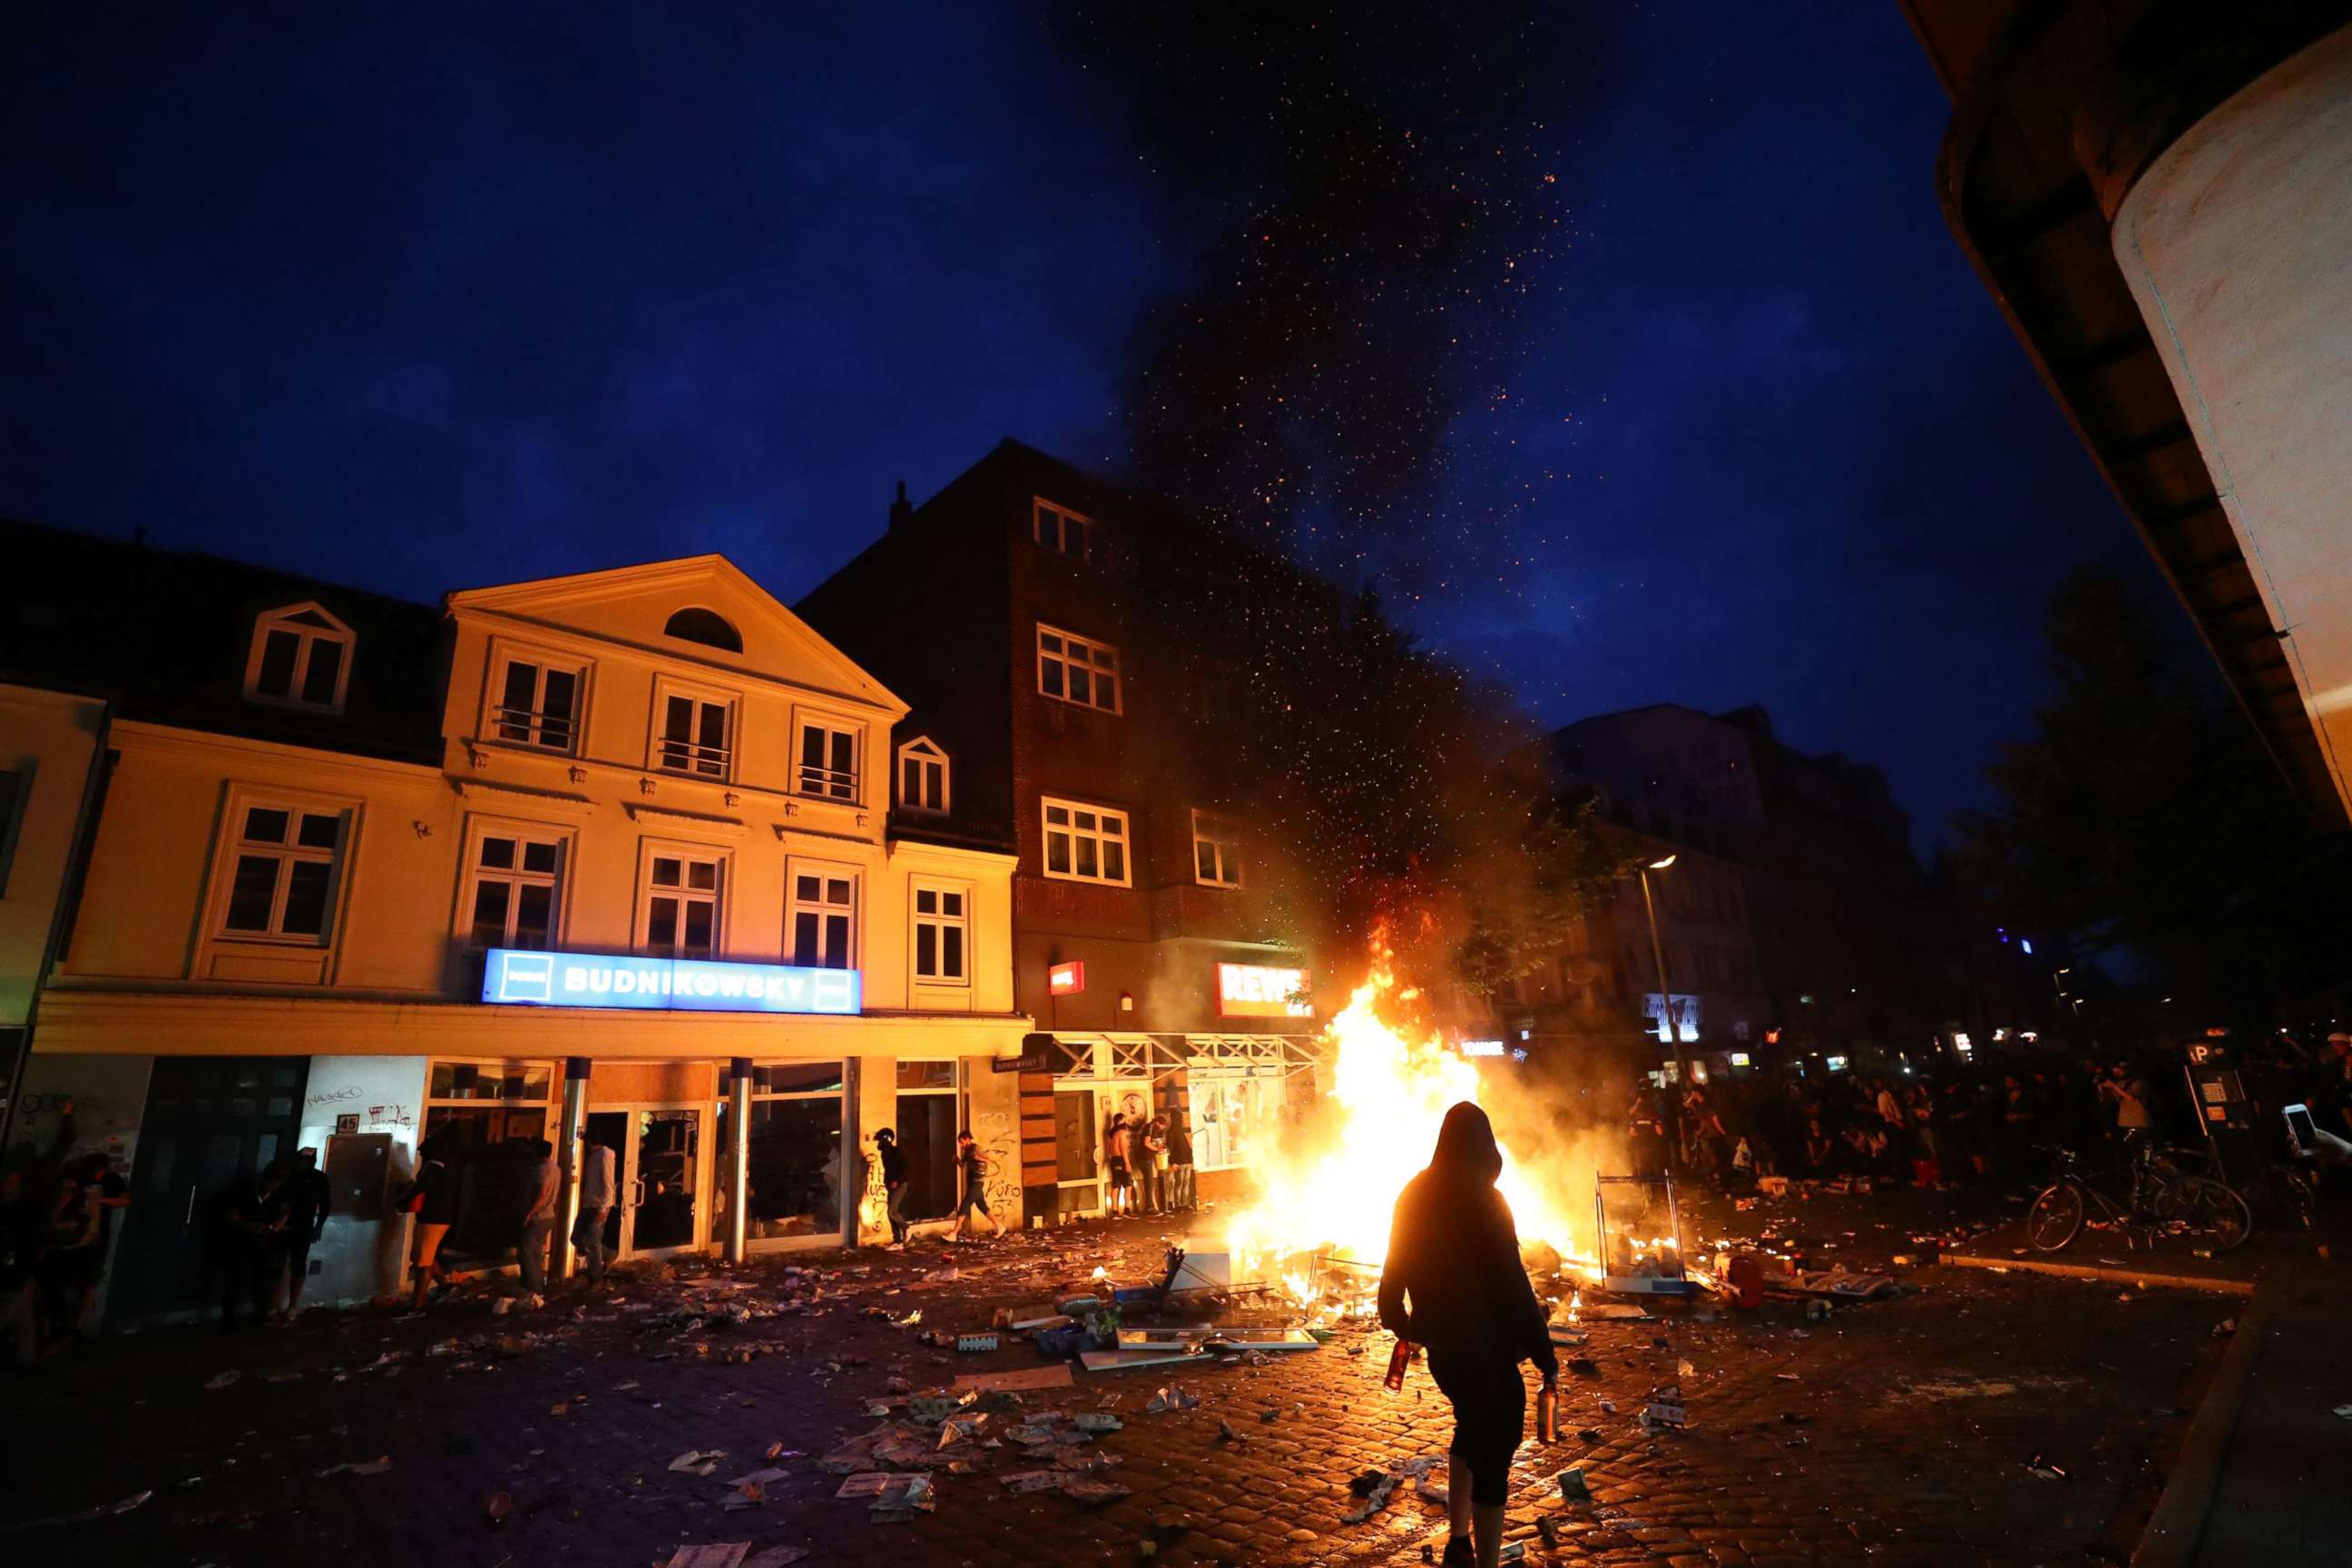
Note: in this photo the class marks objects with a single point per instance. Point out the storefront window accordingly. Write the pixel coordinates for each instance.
(794, 1160)
(1235, 1118)
(487, 1117)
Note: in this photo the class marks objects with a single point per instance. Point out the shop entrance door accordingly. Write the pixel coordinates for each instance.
(1077, 1137)
(210, 1121)
(659, 1175)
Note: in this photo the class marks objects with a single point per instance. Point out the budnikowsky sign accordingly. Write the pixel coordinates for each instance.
(514, 977)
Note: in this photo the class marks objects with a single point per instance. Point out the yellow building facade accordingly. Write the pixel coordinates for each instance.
(657, 889)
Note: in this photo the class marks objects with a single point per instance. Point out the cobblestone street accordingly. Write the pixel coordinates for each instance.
(1900, 1430)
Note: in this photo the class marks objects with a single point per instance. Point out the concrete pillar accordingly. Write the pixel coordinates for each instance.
(738, 1156)
(567, 1155)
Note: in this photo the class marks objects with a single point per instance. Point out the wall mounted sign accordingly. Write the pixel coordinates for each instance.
(513, 977)
(1258, 991)
(1067, 979)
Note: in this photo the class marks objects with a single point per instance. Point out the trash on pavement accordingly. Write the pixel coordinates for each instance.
(80, 1516)
(499, 1505)
(960, 1428)
(901, 1499)
(2045, 1469)
(1093, 1494)
(375, 1466)
(777, 1557)
(1608, 1405)
(1171, 1398)
(1022, 1483)
(970, 1343)
(761, 1477)
(711, 1555)
(698, 1461)
(1572, 1483)
(1096, 1421)
(1666, 1406)
(1054, 1377)
(225, 1380)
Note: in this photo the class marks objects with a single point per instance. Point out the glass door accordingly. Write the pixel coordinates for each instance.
(662, 1183)
(1077, 1139)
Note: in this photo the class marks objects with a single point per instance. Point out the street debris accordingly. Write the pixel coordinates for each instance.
(1572, 1484)
(80, 1516)
(1171, 1398)
(226, 1380)
(971, 1343)
(711, 1555)
(499, 1506)
(698, 1461)
(1096, 1422)
(375, 1466)
(1376, 1487)
(1666, 1406)
(777, 1557)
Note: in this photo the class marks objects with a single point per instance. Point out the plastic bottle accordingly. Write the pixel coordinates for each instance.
(1548, 1415)
(1399, 1359)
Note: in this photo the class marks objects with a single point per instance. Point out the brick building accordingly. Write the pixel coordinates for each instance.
(1071, 669)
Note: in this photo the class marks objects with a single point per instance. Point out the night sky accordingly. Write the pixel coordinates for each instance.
(418, 300)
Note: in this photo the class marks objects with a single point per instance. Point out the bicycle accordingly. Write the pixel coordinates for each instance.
(2159, 1197)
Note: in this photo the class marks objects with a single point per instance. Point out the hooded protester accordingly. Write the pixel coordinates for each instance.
(1454, 1284)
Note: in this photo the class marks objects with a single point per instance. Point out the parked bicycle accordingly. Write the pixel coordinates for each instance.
(2159, 1199)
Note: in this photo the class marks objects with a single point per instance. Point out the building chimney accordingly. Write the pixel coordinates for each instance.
(902, 510)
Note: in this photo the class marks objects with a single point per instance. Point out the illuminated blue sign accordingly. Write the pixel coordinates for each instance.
(518, 978)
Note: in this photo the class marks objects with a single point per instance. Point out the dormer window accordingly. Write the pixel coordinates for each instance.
(923, 776)
(708, 627)
(302, 657)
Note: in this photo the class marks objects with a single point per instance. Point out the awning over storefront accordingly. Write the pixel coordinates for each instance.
(107, 1023)
(1128, 1056)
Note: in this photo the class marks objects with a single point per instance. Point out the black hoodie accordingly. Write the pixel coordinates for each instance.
(1455, 1254)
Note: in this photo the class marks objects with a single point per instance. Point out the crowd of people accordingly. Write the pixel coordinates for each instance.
(1980, 1122)
(1147, 1164)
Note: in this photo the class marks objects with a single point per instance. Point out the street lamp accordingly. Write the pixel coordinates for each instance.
(1658, 954)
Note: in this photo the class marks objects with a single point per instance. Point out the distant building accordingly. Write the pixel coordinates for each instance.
(2158, 197)
(1805, 915)
(1060, 639)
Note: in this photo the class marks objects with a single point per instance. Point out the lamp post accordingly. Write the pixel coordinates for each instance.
(1658, 954)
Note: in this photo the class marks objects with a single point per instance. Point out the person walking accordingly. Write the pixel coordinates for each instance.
(599, 1186)
(894, 1184)
(1454, 1284)
(1180, 1164)
(538, 1216)
(972, 1197)
(22, 1228)
(1150, 1141)
(432, 1197)
(309, 1198)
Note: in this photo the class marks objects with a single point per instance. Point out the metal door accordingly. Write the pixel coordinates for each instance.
(209, 1121)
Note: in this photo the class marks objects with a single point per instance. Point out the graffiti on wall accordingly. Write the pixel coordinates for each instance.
(999, 1148)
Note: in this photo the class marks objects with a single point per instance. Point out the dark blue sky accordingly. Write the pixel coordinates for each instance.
(419, 300)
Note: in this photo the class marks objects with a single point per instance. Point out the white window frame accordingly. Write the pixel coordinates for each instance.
(665, 690)
(1101, 658)
(795, 868)
(495, 723)
(1088, 552)
(651, 851)
(307, 637)
(924, 752)
(829, 725)
(1225, 835)
(937, 921)
(1125, 838)
(235, 847)
(472, 873)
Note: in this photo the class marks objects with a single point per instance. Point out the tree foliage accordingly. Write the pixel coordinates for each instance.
(2142, 815)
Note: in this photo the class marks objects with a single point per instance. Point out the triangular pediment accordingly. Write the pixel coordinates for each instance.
(641, 606)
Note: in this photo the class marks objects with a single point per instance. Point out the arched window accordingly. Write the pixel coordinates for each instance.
(923, 776)
(300, 658)
(708, 627)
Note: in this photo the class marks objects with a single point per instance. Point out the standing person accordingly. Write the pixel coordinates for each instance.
(432, 1197)
(538, 1216)
(1179, 1163)
(972, 1168)
(1646, 1131)
(246, 1217)
(1121, 1195)
(1150, 1140)
(21, 1226)
(1454, 1284)
(308, 1197)
(599, 1186)
(894, 1184)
